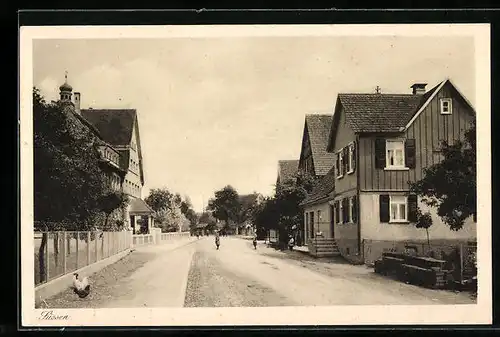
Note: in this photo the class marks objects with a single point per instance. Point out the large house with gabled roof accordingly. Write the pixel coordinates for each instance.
(381, 143)
(118, 131)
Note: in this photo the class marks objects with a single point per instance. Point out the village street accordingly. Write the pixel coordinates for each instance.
(195, 274)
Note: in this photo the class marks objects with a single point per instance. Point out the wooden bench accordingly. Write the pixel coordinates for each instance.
(419, 270)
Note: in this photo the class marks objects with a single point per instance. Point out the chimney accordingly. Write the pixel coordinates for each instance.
(418, 88)
(77, 102)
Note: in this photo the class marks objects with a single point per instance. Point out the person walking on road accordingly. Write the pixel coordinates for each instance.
(291, 243)
(217, 240)
(255, 242)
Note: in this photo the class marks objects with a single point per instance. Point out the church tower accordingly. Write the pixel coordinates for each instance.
(65, 90)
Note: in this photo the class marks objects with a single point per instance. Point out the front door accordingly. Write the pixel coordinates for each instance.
(332, 222)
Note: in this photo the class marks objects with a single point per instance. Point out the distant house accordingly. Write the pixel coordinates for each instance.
(287, 171)
(382, 142)
(314, 159)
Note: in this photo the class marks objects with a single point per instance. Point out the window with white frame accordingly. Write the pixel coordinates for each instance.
(351, 210)
(446, 106)
(350, 158)
(340, 166)
(395, 152)
(398, 207)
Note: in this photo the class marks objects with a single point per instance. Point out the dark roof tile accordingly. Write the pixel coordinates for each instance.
(287, 169)
(139, 206)
(114, 125)
(318, 129)
(323, 188)
(381, 112)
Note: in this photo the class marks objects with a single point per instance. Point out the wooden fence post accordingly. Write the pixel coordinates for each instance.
(461, 262)
(96, 247)
(88, 248)
(64, 240)
(77, 247)
(47, 258)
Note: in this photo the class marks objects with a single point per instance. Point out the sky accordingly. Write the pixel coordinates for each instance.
(222, 111)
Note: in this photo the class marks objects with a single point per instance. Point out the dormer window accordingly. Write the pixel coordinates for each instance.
(446, 107)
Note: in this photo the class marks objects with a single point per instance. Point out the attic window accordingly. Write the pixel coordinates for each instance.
(446, 107)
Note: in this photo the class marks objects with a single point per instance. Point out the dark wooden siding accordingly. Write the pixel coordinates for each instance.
(306, 154)
(343, 137)
(428, 130)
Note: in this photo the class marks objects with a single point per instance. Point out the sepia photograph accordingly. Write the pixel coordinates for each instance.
(255, 175)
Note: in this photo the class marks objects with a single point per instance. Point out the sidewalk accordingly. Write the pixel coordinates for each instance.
(302, 249)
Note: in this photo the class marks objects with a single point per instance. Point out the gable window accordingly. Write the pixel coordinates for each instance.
(395, 150)
(445, 106)
(340, 164)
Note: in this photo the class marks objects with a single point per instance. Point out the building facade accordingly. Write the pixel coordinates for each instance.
(121, 157)
(382, 142)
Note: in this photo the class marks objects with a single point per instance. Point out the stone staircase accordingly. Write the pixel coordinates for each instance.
(323, 247)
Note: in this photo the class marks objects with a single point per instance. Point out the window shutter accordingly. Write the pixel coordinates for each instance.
(344, 161)
(354, 156)
(410, 153)
(345, 210)
(337, 212)
(380, 153)
(354, 209)
(384, 207)
(412, 208)
(337, 168)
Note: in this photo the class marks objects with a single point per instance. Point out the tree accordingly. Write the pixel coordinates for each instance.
(68, 181)
(265, 216)
(450, 185)
(283, 211)
(248, 203)
(424, 220)
(188, 211)
(225, 205)
(159, 199)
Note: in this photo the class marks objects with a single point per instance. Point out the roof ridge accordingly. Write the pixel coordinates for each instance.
(110, 109)
(319, 114)
(376, 94)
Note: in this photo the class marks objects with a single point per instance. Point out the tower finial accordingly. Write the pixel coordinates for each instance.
(66, 76)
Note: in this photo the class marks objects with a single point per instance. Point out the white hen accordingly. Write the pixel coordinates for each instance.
(81, 288)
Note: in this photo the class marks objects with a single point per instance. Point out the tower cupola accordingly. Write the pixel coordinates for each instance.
(65, 90)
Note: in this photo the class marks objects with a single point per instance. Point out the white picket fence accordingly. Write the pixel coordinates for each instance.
(156, 237)
(66, 252)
